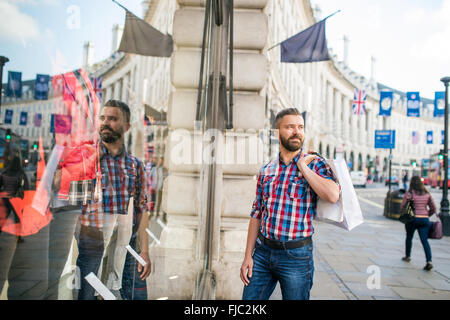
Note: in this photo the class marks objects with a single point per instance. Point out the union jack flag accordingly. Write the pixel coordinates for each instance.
(97, 86)
(359, 102)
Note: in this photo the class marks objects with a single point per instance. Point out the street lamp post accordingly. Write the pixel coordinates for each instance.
(3, 60)
(445, 217)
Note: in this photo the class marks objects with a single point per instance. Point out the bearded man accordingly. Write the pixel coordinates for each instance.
(279, 242)
(120, 192)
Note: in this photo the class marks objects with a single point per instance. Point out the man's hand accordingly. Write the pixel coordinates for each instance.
(57, 180)
(246, 265)
(145, 271)
(305, 160)
(326, 189)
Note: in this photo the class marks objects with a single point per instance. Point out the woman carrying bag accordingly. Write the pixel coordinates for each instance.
(424, 207)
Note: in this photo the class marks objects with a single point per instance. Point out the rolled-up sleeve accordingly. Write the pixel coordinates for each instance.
(258, 204)
(323, 169)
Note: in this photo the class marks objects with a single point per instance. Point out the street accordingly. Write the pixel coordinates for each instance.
(365, 263)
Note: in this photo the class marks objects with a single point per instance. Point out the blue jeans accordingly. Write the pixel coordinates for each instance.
(293, 268)
(133, 288)
(423, 226)
(90, 253)
(62, 229)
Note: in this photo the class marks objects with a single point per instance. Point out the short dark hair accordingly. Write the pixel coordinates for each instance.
(285, 112)
(122, 106)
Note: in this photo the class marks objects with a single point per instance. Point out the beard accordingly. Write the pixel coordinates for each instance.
(112, 136)
(290, 144)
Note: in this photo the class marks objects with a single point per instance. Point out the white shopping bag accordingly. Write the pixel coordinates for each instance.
(346, 212)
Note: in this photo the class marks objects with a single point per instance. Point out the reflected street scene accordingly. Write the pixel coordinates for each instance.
(224, 150)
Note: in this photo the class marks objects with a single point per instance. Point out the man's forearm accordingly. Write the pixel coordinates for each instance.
(142, 233)
(253, 228)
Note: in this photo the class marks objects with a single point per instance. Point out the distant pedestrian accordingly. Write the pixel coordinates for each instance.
(405, 181)
(23, 260)
(279, 242)
(424, 207)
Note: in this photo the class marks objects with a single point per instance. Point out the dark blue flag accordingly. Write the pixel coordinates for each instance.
(23, 118)
(413, 104)
(439, 104)
(429, 137)
(41, 87)
(386, 103)
(14, 88)
(442, 136)
(8, 116)
(52, 123)
(307, 46)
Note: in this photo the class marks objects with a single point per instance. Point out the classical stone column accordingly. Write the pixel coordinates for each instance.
(346, 122)
(237, 152)
(337, 114)
(354, 124)
(330, 106)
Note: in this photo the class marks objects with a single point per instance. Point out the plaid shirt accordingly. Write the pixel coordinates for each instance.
(122, 177)
(285, 202)
(80, 192)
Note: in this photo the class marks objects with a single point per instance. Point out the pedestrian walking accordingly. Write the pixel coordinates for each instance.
(424, 207)
(23, 260)
(405, 180)
(279, 242)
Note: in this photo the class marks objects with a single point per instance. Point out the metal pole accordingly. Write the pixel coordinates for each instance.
(3, 60)
(390, 181)
(444, 215)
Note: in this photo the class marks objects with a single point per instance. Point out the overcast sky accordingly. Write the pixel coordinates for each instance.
(410, 40)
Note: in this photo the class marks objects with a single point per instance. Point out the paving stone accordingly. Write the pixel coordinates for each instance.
(439, 284)
(326, 288)
(421, 294)
(337, 265)
(412, 282)
(349, 276)
(361, 290)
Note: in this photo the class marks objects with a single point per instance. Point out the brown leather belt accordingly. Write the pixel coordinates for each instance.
(293, 244)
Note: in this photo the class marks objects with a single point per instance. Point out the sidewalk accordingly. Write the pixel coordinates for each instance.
(345, 262)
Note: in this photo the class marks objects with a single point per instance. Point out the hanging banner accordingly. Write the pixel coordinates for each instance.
(8, 116)
(37, 119)
(62, 123)
(41, 87)
(439, 104)
(429, 137)
(14, 88)
(386, 103)
(413, 104)
(52, 123)
(415, 137)
(23, 118)
(442, 136)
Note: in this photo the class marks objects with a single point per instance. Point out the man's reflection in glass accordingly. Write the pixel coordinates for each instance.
(115, 214)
